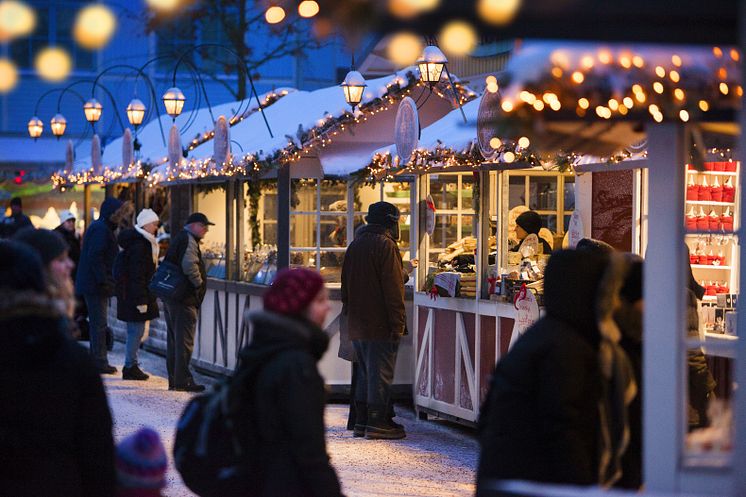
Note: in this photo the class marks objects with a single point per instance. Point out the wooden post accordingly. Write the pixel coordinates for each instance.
(230, 216)
(283, 216)
(86, 206)
(240, 229)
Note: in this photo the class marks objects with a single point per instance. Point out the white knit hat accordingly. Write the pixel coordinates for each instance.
(146, 216)
(66, 216)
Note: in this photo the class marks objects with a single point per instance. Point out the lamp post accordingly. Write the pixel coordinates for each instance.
(353, 87)
(58, 125)
(92, 110)
(35, 127)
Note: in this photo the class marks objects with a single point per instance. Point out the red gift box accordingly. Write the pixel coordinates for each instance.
(726, 223)
(693, 259)
(730, 167)
(721, 288)
(691, 167)
(729, 194)
(703, 223)
(714, 224)
(711, 289)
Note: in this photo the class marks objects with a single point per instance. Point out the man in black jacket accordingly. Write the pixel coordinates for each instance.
(16, 221)
(373, 300)
(94, 280)
(181, 316)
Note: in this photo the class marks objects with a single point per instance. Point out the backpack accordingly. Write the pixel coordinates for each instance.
(215, 446)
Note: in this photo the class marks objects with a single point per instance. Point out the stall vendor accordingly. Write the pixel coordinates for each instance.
(529, 223)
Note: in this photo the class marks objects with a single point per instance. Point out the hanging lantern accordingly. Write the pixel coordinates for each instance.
(92, 110)
(431, 64)
(174, 100)
(58, 125)
(135, 112)
(35, 127)
(353, 87)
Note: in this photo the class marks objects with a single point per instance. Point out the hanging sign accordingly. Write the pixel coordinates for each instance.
(575, 231)
(406, 129)
(487, 118)
(528, 313)
(430, 215)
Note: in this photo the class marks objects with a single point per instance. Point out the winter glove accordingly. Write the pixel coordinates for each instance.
(142, 308)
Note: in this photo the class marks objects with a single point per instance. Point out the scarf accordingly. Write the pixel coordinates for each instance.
(153, 243)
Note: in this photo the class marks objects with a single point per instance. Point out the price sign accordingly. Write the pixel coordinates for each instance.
(527, 315)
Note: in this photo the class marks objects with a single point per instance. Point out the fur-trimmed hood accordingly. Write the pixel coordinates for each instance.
(32, 328)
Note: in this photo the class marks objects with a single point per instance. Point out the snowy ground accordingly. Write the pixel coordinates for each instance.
(434, 460)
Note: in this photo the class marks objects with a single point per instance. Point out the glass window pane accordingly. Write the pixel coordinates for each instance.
(303, 230)
(334, 231)
(468, 224)
(398, 194)
(542, 192)
(516, 191)
(467, 191)
(303, 195)
(333, 195)
(331, 266)
(569, 193)
(446, 231)
(211, 202)
(366, 195)
(303, 259)
(549, 221)
(444, 190)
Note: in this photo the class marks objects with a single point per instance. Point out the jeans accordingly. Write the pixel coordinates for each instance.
(98, 307)
(135, 332)
(181, 322)
(376, 363)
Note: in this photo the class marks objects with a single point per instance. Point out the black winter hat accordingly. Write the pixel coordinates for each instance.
(20, 267)
(529, 221)
(594, 245)
(198, 217)
(16, 201)
(631, 290)
(382, 213)
(47, 243)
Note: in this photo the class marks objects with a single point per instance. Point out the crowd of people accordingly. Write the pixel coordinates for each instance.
(563, 406)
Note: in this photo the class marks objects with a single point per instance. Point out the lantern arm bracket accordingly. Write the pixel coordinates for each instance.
(455, 92)
(55, 90)
(95, 85)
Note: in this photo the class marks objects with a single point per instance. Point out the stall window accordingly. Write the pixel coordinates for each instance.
(210, 199)
(399, 194)
(453, 195)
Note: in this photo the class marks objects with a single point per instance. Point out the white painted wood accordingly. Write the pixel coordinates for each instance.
(466, 359)
(459, 331)
(664, 311)
(584, 200)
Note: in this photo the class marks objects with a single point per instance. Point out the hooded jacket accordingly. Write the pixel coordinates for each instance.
(373, 286)
(549, 406)
(288, 407)
(99, 248)
(55, 424)
(73, 247)
(134, 268)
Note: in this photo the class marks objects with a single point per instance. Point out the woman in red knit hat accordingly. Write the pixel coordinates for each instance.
(287, 398)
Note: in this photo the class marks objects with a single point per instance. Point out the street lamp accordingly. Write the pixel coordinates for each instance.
(92, 109)
(135, 112)
(35, 127)
(58, 125)
(353, 87)
(431, 64)
(174, 100)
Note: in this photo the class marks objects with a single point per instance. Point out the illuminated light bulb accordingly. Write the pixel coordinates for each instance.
(717, 51)
(625, 61)
(739, 90)
(638, 61)
(676, 60)
(164, 5)
(674, 75)
(490, 80)
(557, 72)
(703, 105)
(410, 8)
(528, 97)
(604, 56)
(539, 105)
(404, 48)
(53, 64)
(583, 103)
(722, 73)
(508, 157)
(8, 75)
(507, 106)
(35, 127)
(16, 19)
(623, 110)
(628, 102)
(92, 110)
(308, 8)
(636, 88)
(658, 87)
(274, 14)
(587, 61)
(524, 142)
(601, 111)
(493, 88)
(683, 115)
(548, 97)
(724, 88)
(613, 104)
(653, 109)
(659, 71)
(94, 26)
(658, 117)
(734, 54)
(578, 77)
(495, 142)
(458, 38)
(679, 94)
(640, 97)
(498, 12)
(555, 105)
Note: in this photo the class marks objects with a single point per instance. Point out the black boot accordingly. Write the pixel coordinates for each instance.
(391, 415)
(378, 426)
(361, 419)
(134, 373)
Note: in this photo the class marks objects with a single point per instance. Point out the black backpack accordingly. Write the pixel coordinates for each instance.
(215, 447)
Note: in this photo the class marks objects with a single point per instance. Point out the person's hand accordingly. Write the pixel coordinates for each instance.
(142, 308)
(414, 262)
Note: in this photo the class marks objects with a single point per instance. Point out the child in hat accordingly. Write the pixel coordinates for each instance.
(141, 465)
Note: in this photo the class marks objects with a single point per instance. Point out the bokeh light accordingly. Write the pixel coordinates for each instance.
(498, 12)
(274, 14)
(16, 19)
(308, 8)
(8, 75)
(458, 38)
(404, 48)
(410, 8)
(164, 5)
(94, 26)
(53, 64)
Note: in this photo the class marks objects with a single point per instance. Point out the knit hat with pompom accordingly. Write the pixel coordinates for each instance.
(141, 462)
(292, 291)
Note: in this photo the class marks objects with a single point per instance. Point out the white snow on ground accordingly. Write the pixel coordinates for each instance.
(434, 460)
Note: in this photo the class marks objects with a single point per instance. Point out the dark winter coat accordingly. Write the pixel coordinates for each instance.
(701, 382)
(540, 420)
(55, 424)
(288, 407)
(194, 270)
(97, 254)
(133, 270)
(373, 286)
(13, 223)
(73, 247)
